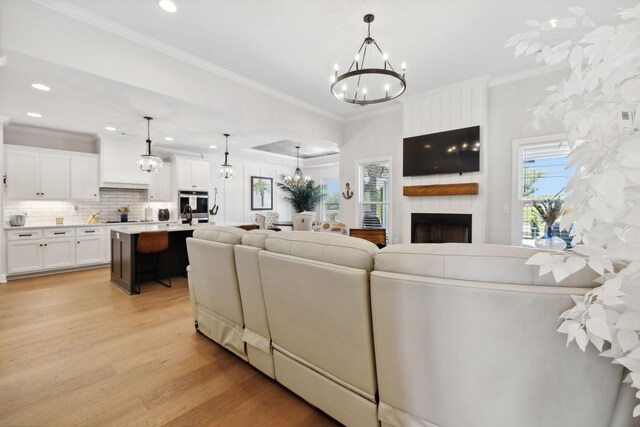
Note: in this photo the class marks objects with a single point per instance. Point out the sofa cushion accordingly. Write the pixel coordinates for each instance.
(220, 234)
(325, 247)
(479, 263)
(257, 238)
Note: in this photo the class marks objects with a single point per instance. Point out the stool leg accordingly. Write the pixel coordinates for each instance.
(155, 257)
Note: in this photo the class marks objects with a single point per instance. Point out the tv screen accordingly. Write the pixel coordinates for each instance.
(453, 151)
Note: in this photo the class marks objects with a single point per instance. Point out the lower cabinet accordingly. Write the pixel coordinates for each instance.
(89, 250)
(59, 253)
(24, 256)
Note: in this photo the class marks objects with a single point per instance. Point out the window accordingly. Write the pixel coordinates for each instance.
(331, 201)
(375, 195)
(542, 174)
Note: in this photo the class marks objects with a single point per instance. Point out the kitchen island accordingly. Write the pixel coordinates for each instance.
(129, 269)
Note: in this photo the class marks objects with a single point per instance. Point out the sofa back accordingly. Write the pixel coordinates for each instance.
(466, 335)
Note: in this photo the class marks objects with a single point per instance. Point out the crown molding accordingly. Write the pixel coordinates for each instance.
(527, 74)
(373, 113)
(104, 24)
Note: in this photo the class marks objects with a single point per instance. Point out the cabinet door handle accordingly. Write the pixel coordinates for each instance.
(89, 231)
(45, 244)
(59, 232)
(78, 242)
(24, 235)
(40, 244)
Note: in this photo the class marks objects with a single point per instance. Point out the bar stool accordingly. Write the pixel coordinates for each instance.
(153, 243)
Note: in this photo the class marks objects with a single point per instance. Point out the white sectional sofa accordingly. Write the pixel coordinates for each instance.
(449, 335)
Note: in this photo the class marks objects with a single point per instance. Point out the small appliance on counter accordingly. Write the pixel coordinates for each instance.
(163, 215)
(18, 220)
(148, 214)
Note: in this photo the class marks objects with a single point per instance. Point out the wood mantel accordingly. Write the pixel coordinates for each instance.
(465, 189)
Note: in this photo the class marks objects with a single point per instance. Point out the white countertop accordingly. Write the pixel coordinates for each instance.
(84, 224)
(170, 226)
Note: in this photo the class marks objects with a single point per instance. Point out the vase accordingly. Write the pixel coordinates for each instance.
(124, 217)
(550, 241)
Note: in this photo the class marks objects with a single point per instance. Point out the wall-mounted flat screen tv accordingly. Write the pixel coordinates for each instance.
(453, 151)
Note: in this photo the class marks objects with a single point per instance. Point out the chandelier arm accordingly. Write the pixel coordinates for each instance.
(353, 62)
(360, 76)
(382, 53)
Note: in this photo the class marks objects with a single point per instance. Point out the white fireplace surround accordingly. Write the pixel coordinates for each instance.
(452, 107)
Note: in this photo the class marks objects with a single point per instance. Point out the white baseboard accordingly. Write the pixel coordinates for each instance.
(3, 278)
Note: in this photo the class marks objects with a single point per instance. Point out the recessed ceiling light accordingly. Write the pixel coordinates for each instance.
(111, 128)
(168, 138)
(40, 86)
(212, 146)
(36, 115)
(168, 6)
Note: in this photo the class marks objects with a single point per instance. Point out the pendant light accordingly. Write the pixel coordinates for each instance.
(298, 179)
(148, 162)
(226, 170)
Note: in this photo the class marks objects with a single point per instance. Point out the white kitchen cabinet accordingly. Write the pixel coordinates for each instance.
(192, 174)
(106, 246)
(160, 185)
(119, 164)
(24, 256)
(22, 175)
(89, 250)
(59, 253)
(35, 174)
(85, 181)
(54, 176)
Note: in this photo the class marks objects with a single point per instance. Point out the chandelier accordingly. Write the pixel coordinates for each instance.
(298, 179)
(148, 162)
(226, 170)
(362, 84)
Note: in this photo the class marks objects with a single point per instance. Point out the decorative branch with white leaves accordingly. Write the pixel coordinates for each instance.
(598, 103)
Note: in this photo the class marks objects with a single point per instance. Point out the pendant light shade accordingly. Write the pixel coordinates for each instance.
(298, 179)
(226, 170)
(148, 162)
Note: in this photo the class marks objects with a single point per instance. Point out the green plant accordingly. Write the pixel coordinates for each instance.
(303, 197)
(123, 210)
(549, 210)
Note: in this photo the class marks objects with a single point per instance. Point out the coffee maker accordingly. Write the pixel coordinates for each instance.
(163, 215)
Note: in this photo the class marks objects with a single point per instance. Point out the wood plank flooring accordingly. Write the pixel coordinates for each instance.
(76, 350)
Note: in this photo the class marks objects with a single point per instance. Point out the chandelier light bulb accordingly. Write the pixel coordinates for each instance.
(385, 56)
(332, 79)
(357, 57)
(344, 88)
(335, 66)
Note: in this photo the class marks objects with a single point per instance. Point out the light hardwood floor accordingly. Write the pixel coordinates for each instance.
(76, 350)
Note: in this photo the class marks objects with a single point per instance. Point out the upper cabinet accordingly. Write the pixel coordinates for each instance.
(37, 175)
(160, 185)
(119, 164)
(192, 174)
(85, 173)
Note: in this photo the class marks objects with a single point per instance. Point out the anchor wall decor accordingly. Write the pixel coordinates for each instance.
(347, 194)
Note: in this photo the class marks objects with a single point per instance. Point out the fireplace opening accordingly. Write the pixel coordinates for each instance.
(440, 228)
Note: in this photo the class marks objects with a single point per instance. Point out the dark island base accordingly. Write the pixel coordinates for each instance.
(129, 269)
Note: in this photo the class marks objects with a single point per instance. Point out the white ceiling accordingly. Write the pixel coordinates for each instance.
(287, 45)
(291, 45)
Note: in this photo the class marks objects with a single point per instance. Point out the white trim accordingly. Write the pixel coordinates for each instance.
(358, 192)
(3, 60)
(372, 113)
(527, 74)
(3, 278)
(48, 132)
(136, 37)
(516, 178)
(4, 120)
(468, 82)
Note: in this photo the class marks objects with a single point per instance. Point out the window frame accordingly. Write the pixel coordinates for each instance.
(517, 177)
(324, 180)
(359, 189)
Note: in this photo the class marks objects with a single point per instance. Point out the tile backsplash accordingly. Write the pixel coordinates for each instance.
(44, 212)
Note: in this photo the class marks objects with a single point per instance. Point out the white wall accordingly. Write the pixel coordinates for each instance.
(3, 258)
(508, 119)
(375, 137)
(453, 107)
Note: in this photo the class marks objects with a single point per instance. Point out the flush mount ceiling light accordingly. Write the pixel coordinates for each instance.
(368, 84)
(168, 138)
(213, 146)
(41, 87)
(36, 115)
(168, 6)
(298, 179)
(148, 162)
(226, 170)
(110, 128)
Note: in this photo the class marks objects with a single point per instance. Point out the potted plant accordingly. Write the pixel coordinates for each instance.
(549, 211)
(124, 213)
(303, 197)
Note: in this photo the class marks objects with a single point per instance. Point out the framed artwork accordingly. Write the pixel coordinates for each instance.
(261, 193)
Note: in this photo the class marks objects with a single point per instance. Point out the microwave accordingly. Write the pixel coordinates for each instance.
(199, 203)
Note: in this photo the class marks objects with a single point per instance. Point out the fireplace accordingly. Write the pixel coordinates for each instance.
(440, 228)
